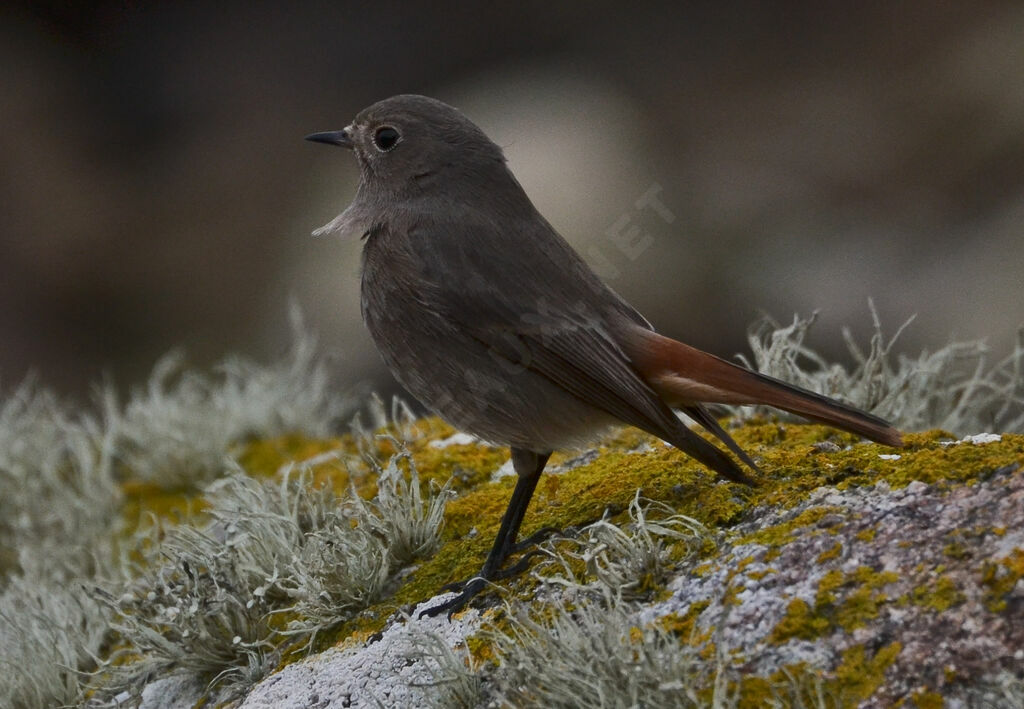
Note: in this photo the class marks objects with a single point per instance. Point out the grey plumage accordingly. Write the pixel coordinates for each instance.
(479, 307)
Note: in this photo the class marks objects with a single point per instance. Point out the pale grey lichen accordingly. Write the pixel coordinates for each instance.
(400, 513)
(60, 525)
(50, 634)
(627, 560)
(594, 655)
(396, 418)
(277, 563)
(1002, 689)
(177, 431)
(952, 388)
(452, 679)
(58, 489)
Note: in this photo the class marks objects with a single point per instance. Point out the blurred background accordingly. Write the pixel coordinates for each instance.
(155, 190)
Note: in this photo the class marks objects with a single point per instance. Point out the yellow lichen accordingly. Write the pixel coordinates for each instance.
(145, 503)
(793, 685)
(955, 550)
(758, 575)
(785, 532)
(831, 581)
(866, 535)
(480, 650)
(833, 553)
(858, 607)
(843, 600)
(1000, 577)
(800, 621)
(858, 676)
(924, 699)
(940, 597)
(685, 626)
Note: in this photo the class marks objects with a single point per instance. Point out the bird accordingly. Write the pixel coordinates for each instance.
(488, 317)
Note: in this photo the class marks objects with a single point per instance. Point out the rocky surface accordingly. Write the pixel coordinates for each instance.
(880, 594)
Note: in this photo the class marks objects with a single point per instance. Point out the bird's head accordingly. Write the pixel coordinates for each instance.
(405, 142)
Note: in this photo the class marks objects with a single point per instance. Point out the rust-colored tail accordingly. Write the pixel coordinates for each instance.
(685, 376)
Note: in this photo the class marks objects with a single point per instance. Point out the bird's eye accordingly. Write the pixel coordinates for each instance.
(385, 138)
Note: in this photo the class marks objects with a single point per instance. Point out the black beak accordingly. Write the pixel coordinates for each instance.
(336, 137)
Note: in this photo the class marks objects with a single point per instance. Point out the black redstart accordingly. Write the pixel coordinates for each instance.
(489, 318)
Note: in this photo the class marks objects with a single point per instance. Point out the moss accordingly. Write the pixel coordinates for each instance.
(859, 607)
(1000, 577)
(834, 553)
(263, 457)
(940, 597)
(732, 592)
(866, 535)
(780, 534)
(702, 570)
(580, 496)
(843, 601)
(467, 465)
(955, 550)
(873, 579)
(928, 700)
(479, 645)
(863, 602)
(830, 582)
(923, 459)
(793, 685)
(758, 575)
(146, 502)
(357, 630)
(800, 621)
(685, 626)
(754, 692)
(859, 674)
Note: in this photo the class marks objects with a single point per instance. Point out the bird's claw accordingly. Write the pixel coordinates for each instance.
(470, 589)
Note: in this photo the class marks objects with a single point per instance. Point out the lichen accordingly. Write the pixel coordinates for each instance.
(800, 621)
(833, 553)
(145, 502)
(924, 699)
(781, 534)
(861, 673)
(1000, 577)
(844, 601)
(865, 535)
(684, 626)
(940, 596)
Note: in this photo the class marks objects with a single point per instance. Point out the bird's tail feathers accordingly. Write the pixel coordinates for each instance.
(684, 376)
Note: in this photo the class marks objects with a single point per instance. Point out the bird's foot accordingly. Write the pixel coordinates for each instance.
(466, 591)
(470, 588)
(541, 535)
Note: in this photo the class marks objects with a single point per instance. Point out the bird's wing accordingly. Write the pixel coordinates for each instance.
(535, 303)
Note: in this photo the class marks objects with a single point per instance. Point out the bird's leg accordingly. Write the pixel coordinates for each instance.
(528, 466)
